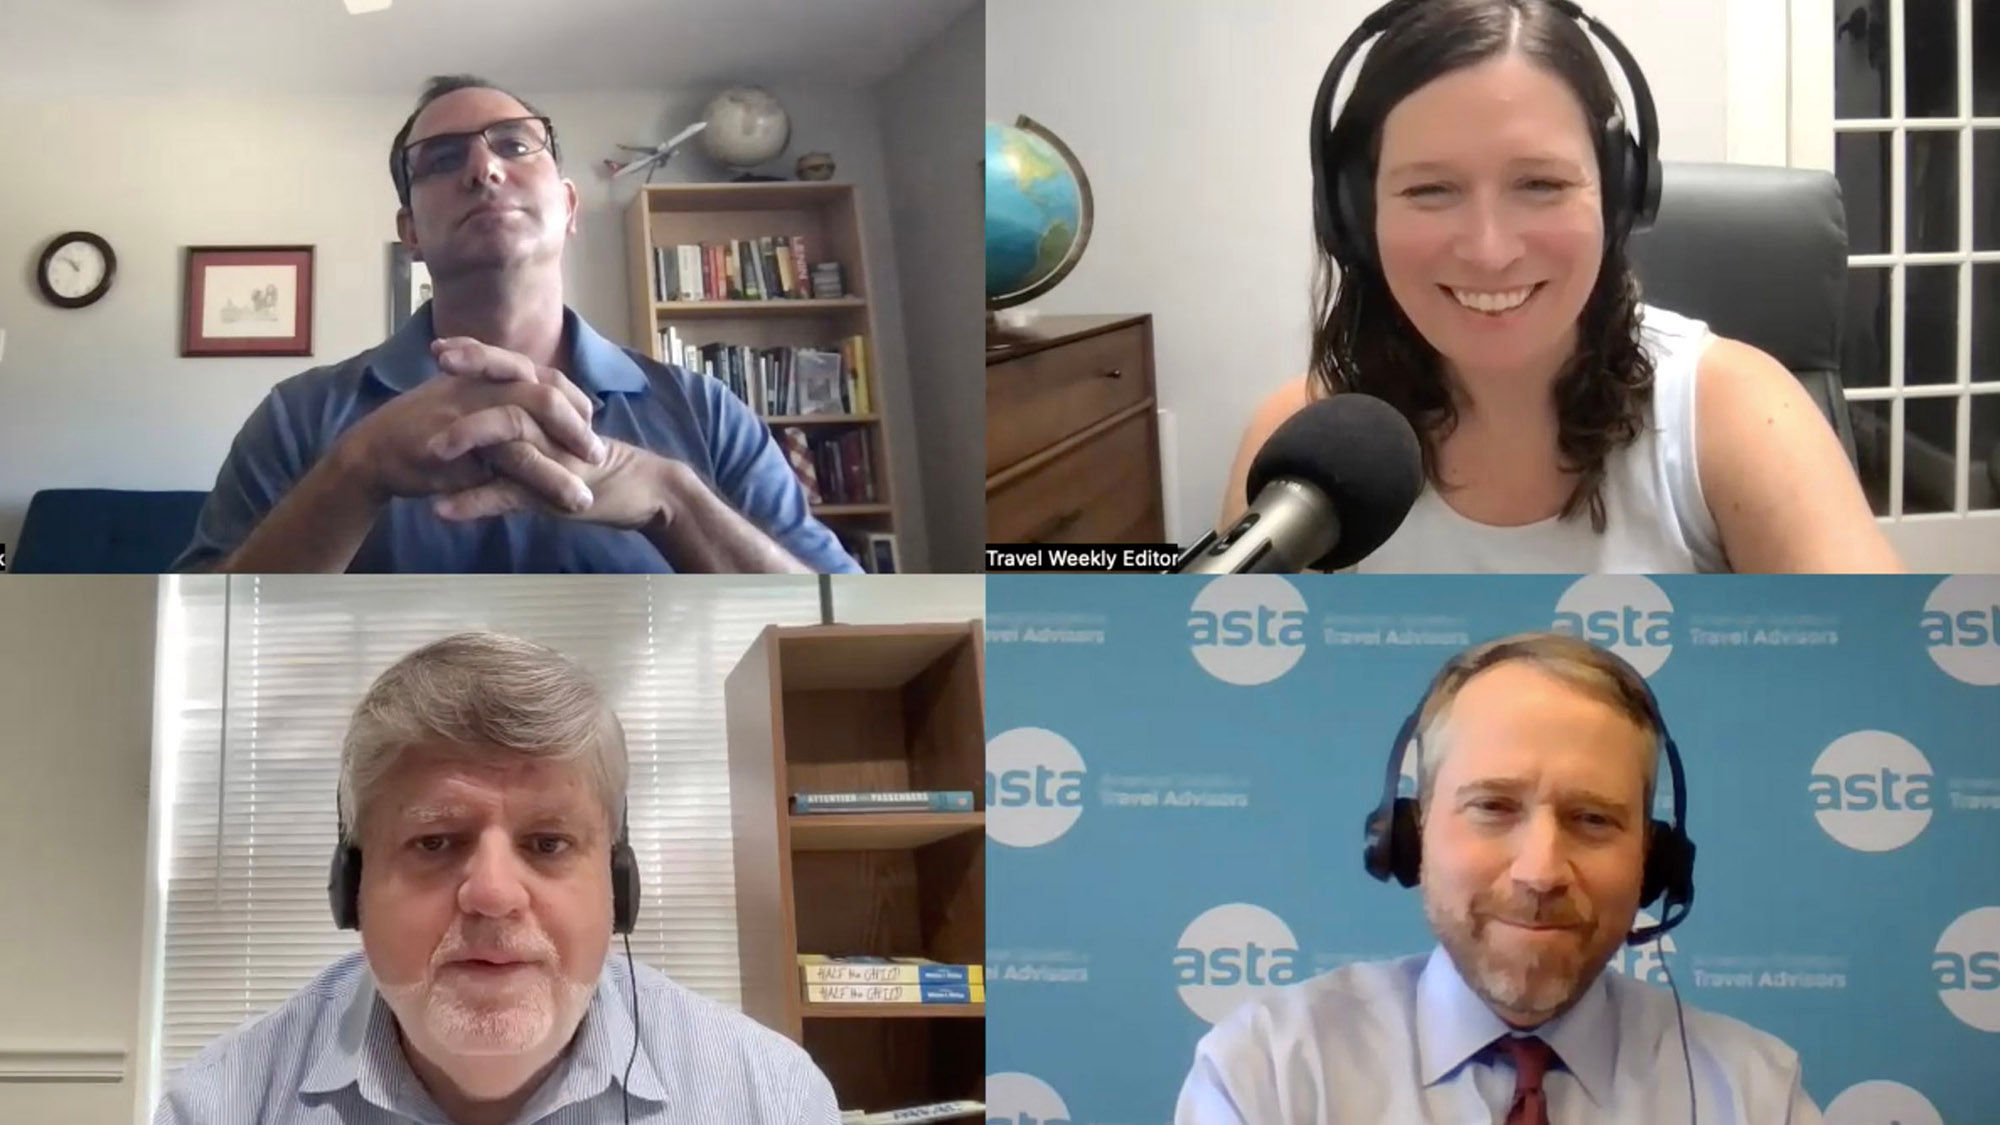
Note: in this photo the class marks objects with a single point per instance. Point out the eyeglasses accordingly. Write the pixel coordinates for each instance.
(516, 138)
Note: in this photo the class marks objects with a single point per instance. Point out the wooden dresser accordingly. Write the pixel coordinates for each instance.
(1072, 441)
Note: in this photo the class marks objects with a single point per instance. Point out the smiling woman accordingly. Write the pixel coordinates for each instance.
(1472, 201)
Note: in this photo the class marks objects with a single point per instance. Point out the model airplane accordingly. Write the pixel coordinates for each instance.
(652, 159)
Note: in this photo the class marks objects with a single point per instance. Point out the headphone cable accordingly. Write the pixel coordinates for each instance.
(631, 978)
(1680, 1020)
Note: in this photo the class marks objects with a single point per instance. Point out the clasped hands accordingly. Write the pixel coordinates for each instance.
(493, 433)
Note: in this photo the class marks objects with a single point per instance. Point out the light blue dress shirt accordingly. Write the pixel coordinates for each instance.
(669, 410)
(1396, 1041)
(330, 1055)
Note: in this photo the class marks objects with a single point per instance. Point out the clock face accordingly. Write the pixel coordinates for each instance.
(76, 269)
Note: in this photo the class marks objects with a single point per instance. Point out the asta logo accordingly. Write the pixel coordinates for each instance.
(1881, 1103)
(1013, 1098)
(1230, 954)
(1034, 787)
(1247, 629)
(1625, 613)
(1871, 791)
(1647, 962)
(1961, 625)
(1966, 965)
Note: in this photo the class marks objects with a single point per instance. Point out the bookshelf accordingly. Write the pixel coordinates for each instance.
(825, 216)
(874, 707)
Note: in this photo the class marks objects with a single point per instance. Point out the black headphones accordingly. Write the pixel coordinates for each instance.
(1343, 182)
(343, 883)
(1394, 841)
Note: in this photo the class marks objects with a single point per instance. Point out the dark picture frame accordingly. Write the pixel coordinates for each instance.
(247, 301)
(409, 282)
(883, 553)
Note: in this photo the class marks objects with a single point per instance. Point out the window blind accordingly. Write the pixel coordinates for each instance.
(270, 667)
(874, 599)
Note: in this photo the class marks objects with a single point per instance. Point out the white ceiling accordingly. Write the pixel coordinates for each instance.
(62, 48)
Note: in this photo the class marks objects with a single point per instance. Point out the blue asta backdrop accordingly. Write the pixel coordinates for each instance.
(1178, 769)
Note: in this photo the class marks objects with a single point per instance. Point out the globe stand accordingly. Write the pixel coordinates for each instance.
(754, 178)
(1000, 337)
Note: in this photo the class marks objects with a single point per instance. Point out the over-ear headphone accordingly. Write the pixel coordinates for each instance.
(343, 884)
(1393, 845)
(1344, 183)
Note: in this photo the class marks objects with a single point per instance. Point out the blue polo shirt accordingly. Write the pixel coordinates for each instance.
(669, 410)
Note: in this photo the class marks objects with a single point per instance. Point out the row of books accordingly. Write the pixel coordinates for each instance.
(766, 268)
(889, 980)
(833, 466)
(875, 801)
(821, 969)
(895, 994)
(781, 380)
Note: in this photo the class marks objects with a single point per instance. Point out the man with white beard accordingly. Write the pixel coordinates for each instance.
(1533, 840)
(483, 781)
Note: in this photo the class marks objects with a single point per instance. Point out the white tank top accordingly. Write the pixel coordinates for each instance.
(1656, 521)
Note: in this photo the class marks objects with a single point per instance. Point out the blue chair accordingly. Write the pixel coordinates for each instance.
(105, 531)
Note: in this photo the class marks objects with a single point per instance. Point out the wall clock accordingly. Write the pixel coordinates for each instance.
(76, 270)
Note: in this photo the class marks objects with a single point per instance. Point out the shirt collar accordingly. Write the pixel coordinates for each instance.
(367, 1052)
(404, 361)
(1454, 1024)
(599, 1052)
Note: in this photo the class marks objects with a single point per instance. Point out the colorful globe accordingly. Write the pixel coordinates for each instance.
(1038, 212)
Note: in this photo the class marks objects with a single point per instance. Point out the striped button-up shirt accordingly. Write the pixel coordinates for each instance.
(1404, 1041)
(330, 1055)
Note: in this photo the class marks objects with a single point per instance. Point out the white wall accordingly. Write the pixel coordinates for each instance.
(99, 397)
(930, 118)
(76, 686)
(1191, 118)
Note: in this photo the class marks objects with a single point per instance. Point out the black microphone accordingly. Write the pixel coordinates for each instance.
(1329, 486)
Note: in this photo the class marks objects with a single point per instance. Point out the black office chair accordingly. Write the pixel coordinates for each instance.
(1759, 253)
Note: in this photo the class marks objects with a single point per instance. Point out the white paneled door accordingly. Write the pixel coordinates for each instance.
(1901, 100)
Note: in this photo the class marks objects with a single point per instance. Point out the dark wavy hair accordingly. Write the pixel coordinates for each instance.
(1362, 341)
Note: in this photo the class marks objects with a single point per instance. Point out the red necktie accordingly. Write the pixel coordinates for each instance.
(1531, 1058)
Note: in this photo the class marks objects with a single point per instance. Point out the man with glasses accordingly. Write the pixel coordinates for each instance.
(496, 430)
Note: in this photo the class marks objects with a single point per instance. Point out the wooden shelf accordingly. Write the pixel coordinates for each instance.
(850, 509)
(867, 832)
(783, 195)
(695, 309)
(820, 419)
(826, 218)
(861, 708)
(834, 658)
(893, 1011)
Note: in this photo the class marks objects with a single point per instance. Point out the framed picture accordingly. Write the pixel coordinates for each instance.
(247, 300)
(881, 553)
(409, 285)
(820, 386)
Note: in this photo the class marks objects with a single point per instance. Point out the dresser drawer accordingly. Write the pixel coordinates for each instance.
(1041, 398)
(1106, 490)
